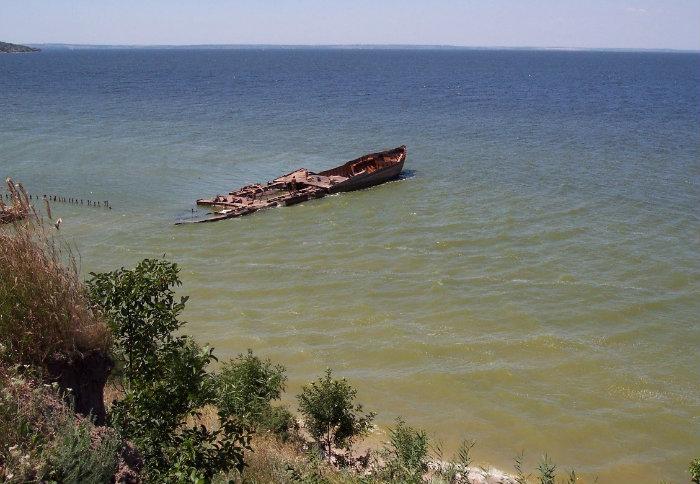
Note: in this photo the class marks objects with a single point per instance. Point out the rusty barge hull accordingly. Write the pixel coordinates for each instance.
(302, 185)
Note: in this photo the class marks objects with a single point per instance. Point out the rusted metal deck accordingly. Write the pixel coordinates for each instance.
(302, 185)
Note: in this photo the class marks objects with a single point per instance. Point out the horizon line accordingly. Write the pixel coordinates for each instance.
(358, 46)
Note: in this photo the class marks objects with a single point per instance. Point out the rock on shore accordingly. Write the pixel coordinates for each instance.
(471, 475)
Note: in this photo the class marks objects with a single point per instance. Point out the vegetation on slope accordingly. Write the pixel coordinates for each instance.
(44, 306)
(43, 440)
(166, 385)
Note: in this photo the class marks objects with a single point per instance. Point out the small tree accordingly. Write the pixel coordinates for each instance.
(246, 386)
(143, 314)
(330, 413)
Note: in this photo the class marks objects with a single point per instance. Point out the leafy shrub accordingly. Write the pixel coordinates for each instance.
(143, 313)
(74, 458)
(44, 307)
(279, 421)
(25, 426)
(246, 386)
(42, 439)
(166, 380)
(407, 453)
(695, 471)
(330, 414)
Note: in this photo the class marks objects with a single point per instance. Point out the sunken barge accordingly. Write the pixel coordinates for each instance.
(302, 185)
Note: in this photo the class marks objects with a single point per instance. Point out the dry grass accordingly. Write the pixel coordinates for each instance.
(287, 462)
(19, 208)
(44, 307)
(113, 392)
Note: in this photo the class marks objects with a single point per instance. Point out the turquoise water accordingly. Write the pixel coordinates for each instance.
(532, 283)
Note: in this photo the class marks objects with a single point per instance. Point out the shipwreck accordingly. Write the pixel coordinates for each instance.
(302, 185)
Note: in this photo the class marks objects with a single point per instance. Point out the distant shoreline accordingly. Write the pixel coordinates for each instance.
(67, 46)
(8, 48)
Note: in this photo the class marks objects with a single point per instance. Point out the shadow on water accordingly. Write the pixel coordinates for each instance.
(406, 174)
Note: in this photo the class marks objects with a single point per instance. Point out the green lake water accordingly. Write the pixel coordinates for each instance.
(533, 281)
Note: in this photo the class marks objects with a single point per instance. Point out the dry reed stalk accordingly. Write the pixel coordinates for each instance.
(44, 306)
(20, 207)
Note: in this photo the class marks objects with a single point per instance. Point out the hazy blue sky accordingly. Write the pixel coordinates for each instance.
(671, 24)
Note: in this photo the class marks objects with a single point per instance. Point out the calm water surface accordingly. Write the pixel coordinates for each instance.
(533, 283)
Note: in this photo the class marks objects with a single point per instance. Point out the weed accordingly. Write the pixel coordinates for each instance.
(463, 456)
(547, 470)
(42, 439)
(279, 421)
(695, 471)
(408, 452)
(520, 476)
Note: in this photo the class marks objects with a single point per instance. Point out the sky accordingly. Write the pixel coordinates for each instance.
(626, 24)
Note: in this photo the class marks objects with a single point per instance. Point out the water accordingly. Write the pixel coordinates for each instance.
(533, 283)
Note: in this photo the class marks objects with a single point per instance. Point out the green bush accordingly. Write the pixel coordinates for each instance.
(695, 471)
(25, 426)
(42, 439)
(74, 458)
(165, 377)
(407, 453)
(247, 385)
(143, 313)
(330, 413)
(279, 421)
